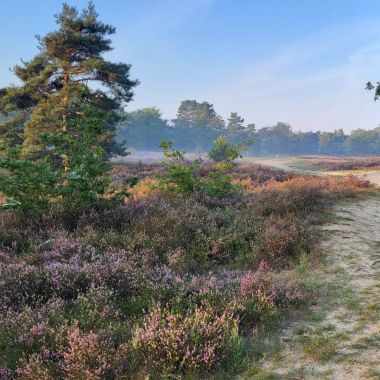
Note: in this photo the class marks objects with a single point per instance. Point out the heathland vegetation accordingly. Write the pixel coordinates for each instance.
(111, 271)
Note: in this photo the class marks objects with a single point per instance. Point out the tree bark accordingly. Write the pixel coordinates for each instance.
(64, 116)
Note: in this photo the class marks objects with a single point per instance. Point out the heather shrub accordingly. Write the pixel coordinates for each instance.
(94, 309)
(107, 268)
(30, 330)
(86, 356)
(78, 356)
(5, 373)
(258, 312)
(280, 287)
(343, 163)
(282, 240)
(264, 292)
(33, 369)
(196, 342)
(22, 284)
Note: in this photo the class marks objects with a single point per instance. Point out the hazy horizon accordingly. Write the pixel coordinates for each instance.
(305, 64)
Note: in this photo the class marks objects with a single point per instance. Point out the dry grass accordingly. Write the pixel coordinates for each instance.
(342, 163)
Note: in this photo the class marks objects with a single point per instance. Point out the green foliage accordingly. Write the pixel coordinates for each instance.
(218, 183)
(180, 177)
(69, 60)
(224, 150)
(83, 156)
(169, 152)
(235, 122)
(144, 129)
(56, 130)
(193, 114)
(184, 178)
(27, 184)
(72, 171)
(333, 142)
(374, 87)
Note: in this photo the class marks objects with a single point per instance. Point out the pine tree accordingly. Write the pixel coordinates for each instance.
(40, 183)
(235, 122)
(193, 114)
(251, 127)
(69, 60)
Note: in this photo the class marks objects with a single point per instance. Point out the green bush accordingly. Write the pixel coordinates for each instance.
(180, 176)
(218, 183)
(26, 184)
(223, 150)
(184, 178)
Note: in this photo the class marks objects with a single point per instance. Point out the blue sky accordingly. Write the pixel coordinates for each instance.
(305, 62)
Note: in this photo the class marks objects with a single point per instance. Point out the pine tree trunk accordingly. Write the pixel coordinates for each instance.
(64, 116)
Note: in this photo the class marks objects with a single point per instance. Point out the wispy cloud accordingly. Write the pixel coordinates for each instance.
(316, 82)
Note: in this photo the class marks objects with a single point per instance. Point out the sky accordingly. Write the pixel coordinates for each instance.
(304, 62)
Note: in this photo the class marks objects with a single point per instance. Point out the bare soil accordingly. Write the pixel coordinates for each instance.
(340, 339)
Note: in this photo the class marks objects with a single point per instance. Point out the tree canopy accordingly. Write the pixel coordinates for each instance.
(198, 115)
(235, 122)
(69, 63)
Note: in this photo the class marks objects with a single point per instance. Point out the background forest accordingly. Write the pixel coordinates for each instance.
(197, 125)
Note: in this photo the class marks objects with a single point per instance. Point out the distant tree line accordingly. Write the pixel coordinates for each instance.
(197, 125)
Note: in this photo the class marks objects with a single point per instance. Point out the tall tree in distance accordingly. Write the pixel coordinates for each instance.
(144, 128)
(235, 122)
(376, 87)
(70, 63)
(193, 114)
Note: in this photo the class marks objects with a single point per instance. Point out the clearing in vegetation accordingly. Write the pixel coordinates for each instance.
(367, 168)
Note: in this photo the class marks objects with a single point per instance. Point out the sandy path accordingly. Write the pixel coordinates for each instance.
(340, 339)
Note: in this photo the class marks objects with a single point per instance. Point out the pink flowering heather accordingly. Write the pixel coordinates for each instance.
(192, 343)
(278, 287)
(33, 369)
(85, 357)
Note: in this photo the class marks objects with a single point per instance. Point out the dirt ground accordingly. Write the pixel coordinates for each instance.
(340, 338)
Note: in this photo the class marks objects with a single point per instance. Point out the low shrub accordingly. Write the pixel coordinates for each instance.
(86, 356)
(185, 177)
(197, 254)
(282, 240)
(218, 183)
(196, 342)
(281, 288)
(264, 292)
(223, 150)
